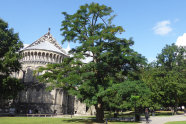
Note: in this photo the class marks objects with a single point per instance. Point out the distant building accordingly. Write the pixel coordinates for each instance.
(45, 51)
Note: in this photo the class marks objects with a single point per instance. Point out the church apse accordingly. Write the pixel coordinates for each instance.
(35, 97)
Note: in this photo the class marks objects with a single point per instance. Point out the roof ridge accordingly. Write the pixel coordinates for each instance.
(47, 37)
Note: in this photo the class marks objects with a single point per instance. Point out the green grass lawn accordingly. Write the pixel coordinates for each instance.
(43, 120)
(176, 122)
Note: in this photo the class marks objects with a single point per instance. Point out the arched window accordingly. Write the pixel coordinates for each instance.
(35, 55)
(29, 56)
(60, 59)
(32, 56)
(57, 59)
(39, 56)
(50, 57)
(47, 57)
(43, 56)
(54, 58)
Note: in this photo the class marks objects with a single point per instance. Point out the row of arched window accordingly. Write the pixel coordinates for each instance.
(42, 56)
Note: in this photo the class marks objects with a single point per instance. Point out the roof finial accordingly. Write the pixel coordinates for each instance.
(68, 47)
(48, 30)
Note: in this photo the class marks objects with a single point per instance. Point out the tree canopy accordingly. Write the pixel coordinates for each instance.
(166, 77)
(10, 46)
(113, 61)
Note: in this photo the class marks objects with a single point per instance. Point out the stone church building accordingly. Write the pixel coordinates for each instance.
(35, 97)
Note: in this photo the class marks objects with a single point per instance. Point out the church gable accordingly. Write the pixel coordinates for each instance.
(46, 42)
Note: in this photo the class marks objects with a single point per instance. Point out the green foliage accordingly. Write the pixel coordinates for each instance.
(172, 57)
(9, 61)
(167, 77)
(128, 94)
(9, 87)
(113, 61)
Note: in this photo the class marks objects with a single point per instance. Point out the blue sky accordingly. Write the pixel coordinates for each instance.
(151, 24)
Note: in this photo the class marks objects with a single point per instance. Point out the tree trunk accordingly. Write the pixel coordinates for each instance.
(176, 107)
(99, 112)
(175, 110)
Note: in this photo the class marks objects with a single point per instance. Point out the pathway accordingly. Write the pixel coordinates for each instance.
(164, 119)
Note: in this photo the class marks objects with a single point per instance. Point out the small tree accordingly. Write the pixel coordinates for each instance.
(9, 61)
(113, 61)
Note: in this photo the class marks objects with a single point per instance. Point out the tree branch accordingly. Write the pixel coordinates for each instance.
(86, 54)
(103, 21)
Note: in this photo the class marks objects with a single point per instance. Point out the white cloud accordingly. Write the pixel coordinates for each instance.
(162, 28)
(181, 40)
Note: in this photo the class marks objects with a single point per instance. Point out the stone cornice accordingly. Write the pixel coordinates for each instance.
(37, 62)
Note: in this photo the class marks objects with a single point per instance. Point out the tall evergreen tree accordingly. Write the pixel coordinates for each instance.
(9, 61)
(112, 59)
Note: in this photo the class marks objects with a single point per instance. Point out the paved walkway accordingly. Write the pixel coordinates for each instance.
(164, 119)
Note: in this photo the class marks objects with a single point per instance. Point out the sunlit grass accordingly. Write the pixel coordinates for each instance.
(176, 122)
(43, 120)
(166, 113)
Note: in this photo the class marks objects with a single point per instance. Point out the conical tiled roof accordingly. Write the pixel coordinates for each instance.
(46, 42)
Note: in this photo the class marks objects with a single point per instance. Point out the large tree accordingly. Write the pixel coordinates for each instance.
(128, 94)
(167, 77)
(112, 59)
(9, 61)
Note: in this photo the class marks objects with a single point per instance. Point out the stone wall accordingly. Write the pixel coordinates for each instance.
(36, 97)
(43, 101)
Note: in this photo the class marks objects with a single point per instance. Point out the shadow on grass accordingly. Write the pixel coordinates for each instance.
(123, 122)
(93, 121)
(111, 115)
(82, 120)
